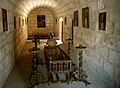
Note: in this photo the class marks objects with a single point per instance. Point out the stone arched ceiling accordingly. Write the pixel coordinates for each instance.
(53, 5)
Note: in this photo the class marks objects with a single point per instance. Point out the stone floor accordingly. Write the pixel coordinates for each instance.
(19, 76)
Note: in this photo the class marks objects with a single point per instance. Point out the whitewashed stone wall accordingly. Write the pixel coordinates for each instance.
(103, 47)
(32, 22)
(11, 41)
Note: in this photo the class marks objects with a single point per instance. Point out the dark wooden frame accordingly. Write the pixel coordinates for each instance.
(27, 20)
(4, 20)
(41, 21)
(75, 18)
(14, 22)
(102, 21)
(65, 20)
(19, 22)
(85, 17)
(23, 22)
(56, 20)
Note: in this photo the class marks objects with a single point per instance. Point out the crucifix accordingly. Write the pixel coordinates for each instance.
(36, 40)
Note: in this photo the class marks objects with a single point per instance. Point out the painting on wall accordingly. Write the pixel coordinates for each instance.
(85, 17)
(23, 22)
(65, 20)
(14, 22)
(56, 20)
(19, 21)
(4, 20)
(102, 21)
(27, 20)
(41, 21)
(75, 18)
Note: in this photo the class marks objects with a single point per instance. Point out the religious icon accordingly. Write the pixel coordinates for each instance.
(102, 21)
(56, 20)
(85, 17)
(75, 18)
(65, 20)
(41, 21)
(19, 21)
(4, 20)
(23, 22)
(14, 22)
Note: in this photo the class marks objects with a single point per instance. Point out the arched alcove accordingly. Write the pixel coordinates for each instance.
(43, 16)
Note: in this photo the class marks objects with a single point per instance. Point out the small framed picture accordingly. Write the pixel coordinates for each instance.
(4, 20)
(102, 21)
(56, 20)
(65, 20)
(23, 22)
(19, 22)
(85, 17)
(41, 21)
(14, 22)
(75, 18)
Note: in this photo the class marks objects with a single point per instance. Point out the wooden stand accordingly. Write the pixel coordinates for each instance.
(36, 77)
(69, 40)
(81, 73)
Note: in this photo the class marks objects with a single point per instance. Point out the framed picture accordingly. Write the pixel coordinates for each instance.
(41, 21)
(19, 22)
(102, 21)
(14, 22)
(75, 18)
(23, 22)
(56, 20)
(85, 17)
(4, 20)
(65, 20)
(27, 20)
(72, 29)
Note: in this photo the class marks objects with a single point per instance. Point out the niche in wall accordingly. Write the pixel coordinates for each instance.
(41, 21)
(102, 21)
(85, 17)
(4, 20)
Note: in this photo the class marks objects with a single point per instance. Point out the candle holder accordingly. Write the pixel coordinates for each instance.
(81, 72)
(81, 48)
(36, 76)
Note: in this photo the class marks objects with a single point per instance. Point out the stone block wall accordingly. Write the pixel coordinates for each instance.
(11, 41)
(32, 22)
(103, 47)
